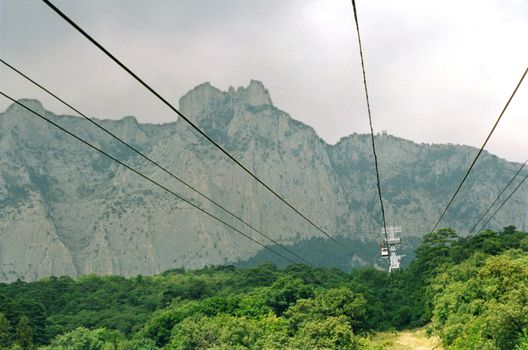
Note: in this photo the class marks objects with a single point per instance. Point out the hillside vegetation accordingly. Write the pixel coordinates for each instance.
(471, 292)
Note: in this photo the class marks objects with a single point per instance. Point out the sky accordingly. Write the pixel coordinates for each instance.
(438, 71)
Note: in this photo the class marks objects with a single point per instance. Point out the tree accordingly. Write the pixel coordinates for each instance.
(509, 229)
(160, 325)
(285, 291)
(137, 344)
(328, 333)
(263, 275)
(86, 339)
(483, 302)
(522, 342)
(436, 250)
(253, 305)
(24, 334)
(4, 331)
(221, 331)
(36, 314)
(229, 332)
(335, 302)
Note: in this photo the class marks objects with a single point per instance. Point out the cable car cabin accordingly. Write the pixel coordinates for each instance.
(384, 250)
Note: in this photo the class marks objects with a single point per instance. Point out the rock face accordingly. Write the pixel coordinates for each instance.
(67, 210)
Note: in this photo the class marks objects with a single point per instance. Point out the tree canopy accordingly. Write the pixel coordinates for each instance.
(472, 292)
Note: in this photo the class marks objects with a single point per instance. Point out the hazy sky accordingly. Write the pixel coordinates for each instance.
(438, 71)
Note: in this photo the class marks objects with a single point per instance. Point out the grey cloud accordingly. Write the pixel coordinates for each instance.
(438, 71)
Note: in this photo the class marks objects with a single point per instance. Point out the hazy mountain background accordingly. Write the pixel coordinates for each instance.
(66, 210)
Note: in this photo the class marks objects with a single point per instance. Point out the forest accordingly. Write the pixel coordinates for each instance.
(471, 292)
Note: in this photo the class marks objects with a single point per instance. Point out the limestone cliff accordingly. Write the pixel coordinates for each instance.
(65, 209)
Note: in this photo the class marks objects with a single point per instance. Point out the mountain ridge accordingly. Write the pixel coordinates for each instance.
(87, 215)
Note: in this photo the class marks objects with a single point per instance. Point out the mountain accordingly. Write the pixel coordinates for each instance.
(67, 210)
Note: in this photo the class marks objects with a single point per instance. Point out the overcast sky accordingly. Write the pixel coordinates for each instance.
(438, 71)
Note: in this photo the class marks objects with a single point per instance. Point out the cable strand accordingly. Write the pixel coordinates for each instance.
(373, 143)
(194, 126)
(503, 203)
(480, 151)
(145, 177)
(497, 199)
(153, 162)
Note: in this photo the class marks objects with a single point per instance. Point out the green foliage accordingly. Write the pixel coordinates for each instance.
(85, 339)
(327, 333)
(158, 328)
(228, 332)
(440, 251)
(24, 334)
(191, 288)
(473, 290)
(338, 302)
(58, 305)
(522, 342)
(285, 292)
(483, 302)
(436, 250)
(137, 344)
(4, 331)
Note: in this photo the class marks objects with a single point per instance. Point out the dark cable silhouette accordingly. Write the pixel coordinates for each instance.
(194, 126)
(153, 162)
(497, 199)
(479, 152)
(146, 177)
(378, 183)
(506, 200)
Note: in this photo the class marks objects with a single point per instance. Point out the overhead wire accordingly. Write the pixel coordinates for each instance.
(503, 203)
(193, 125)
(373, 143)
(146, 177)
(479, 152)
(497, 198)
(150, 160)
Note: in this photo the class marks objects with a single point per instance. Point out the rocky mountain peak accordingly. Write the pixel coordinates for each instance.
(255, 94)
(19, 118)
(30, 103)
(129, 119)
(213, 109)
(197, 101)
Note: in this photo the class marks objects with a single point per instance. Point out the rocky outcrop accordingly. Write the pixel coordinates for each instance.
(65, 209)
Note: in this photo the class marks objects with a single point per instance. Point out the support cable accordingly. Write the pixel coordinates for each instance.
(194, 126)
(145, 177)
(480, 151)
(497, 199)
(150, 160)
(378, 182)
(505, 200)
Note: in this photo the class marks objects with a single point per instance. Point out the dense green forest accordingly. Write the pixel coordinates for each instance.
(323, 253)
(472, 292)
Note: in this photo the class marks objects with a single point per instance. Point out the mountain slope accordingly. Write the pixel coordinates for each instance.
(64, 209)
